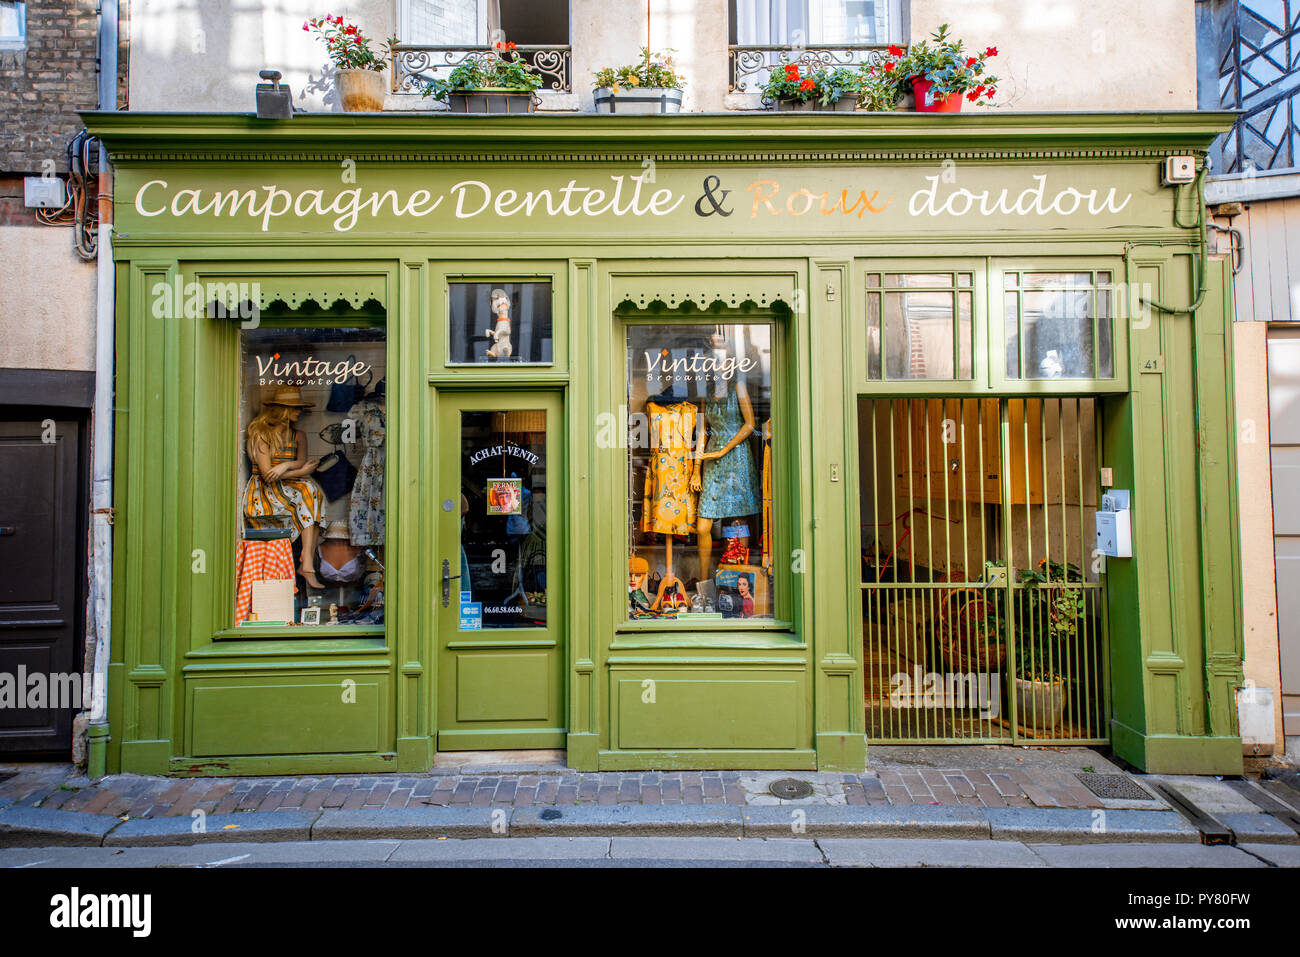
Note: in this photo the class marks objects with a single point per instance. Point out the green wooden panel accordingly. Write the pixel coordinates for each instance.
(503, 687)
(302, 716)
(709, 712)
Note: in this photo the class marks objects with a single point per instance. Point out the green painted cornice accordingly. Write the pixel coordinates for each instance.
(207, 137)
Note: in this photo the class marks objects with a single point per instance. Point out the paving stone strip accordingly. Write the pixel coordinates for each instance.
(134, 796)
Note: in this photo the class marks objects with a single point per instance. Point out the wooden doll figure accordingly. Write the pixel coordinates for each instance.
(280, 488)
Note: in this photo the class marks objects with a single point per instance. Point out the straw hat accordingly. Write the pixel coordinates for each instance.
(338, 530)
(288, 395)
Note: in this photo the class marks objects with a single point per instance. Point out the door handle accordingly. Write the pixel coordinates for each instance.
(447, 579)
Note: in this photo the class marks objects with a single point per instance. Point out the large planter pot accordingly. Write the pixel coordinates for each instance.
(638, 100)
(845, 104)
(1040, 704)
(361, 91)
(492, 101)
(927, 102)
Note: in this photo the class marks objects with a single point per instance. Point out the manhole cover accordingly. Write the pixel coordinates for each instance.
(1119, 787)
(790, 789)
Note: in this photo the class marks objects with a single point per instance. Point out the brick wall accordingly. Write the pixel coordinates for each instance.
(42, 86)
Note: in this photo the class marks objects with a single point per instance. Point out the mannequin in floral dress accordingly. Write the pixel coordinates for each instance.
(728, 483)
(280, 488)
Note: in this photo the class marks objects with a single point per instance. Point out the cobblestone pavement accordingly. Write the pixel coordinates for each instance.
(130, 795)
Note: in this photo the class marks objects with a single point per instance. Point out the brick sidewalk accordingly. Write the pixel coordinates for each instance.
(129, 795)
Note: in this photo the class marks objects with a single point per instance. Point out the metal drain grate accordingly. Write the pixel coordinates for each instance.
(1119, 787)
(790, 789)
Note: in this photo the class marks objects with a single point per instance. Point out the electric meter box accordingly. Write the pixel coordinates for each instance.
(43, 192)
(1114, 525)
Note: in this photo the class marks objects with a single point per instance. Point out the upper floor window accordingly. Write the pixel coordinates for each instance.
(481, 22)
(1252, 48)
(13, 26)
(817, 22)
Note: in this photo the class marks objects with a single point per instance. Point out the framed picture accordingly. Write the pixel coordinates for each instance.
(311, 616)
(505, 496)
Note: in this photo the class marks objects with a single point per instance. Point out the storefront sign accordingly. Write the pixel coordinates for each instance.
(718, 200)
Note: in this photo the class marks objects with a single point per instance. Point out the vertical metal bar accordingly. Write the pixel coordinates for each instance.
(892, 626)
(1046, 624)
(1103, 609)
(1008, 618)
(930, 629)
(1083, 708)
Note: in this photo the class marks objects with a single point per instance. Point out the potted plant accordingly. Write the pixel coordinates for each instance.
(498, 81)
(819, 90)
(942, 72)
(649, 86)
(880, 84)
(1051, 608)
(360, 76)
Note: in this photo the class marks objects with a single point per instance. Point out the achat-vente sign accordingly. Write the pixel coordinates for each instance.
(692, 201)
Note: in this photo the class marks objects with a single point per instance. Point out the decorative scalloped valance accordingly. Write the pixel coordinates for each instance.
(733, 291)
(294, 291)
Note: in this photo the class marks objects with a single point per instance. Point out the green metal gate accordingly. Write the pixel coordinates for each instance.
(982, 602)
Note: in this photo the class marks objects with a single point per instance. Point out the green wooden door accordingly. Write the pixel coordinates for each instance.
(500, 566)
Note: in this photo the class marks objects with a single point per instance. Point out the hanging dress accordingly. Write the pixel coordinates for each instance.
(730, 485)
(669, 506)
(269, 504)
(366, 510)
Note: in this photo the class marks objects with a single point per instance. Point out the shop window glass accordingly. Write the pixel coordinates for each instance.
(503, 519)
(700, 471)
(1058, 325)
(311, 451)
(500, 322)
(926, 329)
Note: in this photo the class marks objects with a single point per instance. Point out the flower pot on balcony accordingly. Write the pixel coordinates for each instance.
(638, 99)
(361, 91)
(928, 102)
(845, 104)
(492, 100)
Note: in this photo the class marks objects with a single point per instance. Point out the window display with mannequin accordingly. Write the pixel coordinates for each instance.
(309, 548)
(699, 405)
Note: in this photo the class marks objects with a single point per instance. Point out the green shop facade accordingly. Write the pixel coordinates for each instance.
(743, 441)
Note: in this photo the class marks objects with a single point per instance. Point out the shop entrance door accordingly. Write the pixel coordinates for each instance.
(982, 611)
(500, 561)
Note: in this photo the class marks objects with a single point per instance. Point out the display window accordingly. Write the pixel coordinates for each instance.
(700, 464)
(311, 464)
(1058, 325)
(500, 322)
(919, 325)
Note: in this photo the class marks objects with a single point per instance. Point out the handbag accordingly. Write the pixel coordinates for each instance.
(344, 395)
(336, 478)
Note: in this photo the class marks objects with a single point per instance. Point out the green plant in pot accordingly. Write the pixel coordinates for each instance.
(1051, 609)
(792, 87)
(651, 85)
(499, 81)
(940, 72)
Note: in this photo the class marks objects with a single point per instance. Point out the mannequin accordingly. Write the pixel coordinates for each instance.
(340, 560)
(727, 483)
(279, 487)
(672, 479)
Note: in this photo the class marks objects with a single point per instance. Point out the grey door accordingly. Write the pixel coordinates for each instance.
(42, 514)
(1284, 438)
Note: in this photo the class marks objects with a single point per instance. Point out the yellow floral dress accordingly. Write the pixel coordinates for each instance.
(669, 506)
(268, 504)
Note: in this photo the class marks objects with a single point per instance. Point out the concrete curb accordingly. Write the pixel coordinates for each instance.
(1259, 829)
(1076, 826)
(243, 828)
(872, 821)
(411, 823)
(23, 826)
(630, 820)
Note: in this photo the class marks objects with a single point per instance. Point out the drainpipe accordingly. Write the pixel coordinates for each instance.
(101, 568)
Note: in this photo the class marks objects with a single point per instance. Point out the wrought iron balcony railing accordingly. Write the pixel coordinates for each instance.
(751, 64)
(417, 64)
